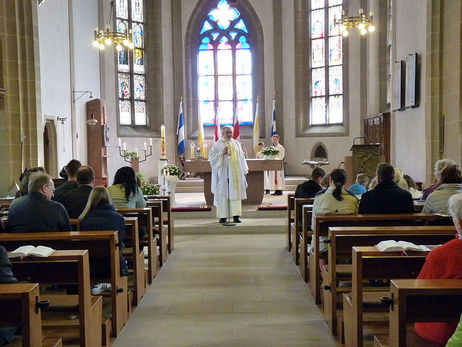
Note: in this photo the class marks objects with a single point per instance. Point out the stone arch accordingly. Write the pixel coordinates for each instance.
(50, 149)
(319, 152)
(191, 43)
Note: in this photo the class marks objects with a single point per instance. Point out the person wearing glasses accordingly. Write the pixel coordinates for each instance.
(36, 211)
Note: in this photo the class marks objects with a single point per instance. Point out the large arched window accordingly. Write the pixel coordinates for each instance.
(326, 63)
(131, 70)
(224, 67)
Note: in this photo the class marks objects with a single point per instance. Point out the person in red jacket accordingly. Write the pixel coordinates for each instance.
(443, 262)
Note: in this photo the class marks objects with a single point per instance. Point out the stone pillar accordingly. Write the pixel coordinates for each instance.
(20, 112)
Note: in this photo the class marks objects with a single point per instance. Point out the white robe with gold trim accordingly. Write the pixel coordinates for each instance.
(276, 178)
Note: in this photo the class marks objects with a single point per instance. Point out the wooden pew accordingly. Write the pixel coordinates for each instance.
(168, 217)
(136, 256)
(145, 219)
(101, 245)
(325, 221)
(66, 267)
(289, 219)
(159, 228)
(370, 263)
(343, 239)
(296, 226)
(304, 240)
(435, 300)
(23, 304)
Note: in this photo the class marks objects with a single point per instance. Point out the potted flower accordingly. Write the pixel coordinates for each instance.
(269, 152)
(171, 174)
(150, 189)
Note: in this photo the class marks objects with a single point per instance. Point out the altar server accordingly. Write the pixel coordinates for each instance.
(276, 178)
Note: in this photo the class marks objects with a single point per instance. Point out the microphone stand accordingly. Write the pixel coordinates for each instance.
(228, 220)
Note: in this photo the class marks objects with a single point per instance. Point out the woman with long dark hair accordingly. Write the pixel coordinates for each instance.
(125, 192)
(334, 200)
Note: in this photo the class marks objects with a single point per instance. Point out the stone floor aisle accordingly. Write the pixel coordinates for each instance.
(227, 290)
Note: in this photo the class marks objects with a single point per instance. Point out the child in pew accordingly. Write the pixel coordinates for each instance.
(6, 276)
(99, 214)
(360, 187)
(443, 262)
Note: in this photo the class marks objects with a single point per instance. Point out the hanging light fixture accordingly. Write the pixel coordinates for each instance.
(106, 37)
(362, 22)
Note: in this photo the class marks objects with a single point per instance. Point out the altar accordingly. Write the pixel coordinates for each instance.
(255, 182)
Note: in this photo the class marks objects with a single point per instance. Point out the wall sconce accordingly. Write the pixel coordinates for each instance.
(92, 121)
(61, 119)
(82, 93)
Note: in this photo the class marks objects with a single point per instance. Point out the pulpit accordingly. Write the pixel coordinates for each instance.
(364, 159)
(255, 182)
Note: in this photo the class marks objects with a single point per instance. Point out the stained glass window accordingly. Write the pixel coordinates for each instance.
(130, 64)
(224, 67)
(326, 63)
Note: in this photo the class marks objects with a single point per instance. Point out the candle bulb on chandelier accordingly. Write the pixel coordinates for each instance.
(120, 142)
(150, 142)
(145, 147)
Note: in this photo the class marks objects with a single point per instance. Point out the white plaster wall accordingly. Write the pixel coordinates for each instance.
(53, 24)
(86, 74)
(409, 125)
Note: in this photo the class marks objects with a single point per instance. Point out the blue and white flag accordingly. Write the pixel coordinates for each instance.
(273, 123)
(180, 130)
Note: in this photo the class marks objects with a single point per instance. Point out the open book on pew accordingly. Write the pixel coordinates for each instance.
(26, 251)
(400, 246)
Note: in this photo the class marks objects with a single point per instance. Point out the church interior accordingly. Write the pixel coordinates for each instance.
(145, 83)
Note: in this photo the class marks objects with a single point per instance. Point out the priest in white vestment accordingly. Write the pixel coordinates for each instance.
(227, 160)
(276, 178)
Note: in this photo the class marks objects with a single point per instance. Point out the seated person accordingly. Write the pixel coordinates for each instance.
(35, 211)
(71, 183)
(399, 179)
(450, 184)
(413, 188)
(308, 189)
(99, 214)
(386, 197)
(260, 147)
(325, 181)
(75, 200)
(439, 165)
(334, 200)
(6, 276)
(360, 187)
(443, 262)
(24, 181)
(125, 192)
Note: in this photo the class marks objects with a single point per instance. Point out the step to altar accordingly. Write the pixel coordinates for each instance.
(196, 184)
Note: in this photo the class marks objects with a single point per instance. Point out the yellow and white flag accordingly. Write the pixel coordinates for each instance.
(200, 133)
(256, 128)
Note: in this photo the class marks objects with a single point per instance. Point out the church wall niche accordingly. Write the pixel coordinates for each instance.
(319, 152)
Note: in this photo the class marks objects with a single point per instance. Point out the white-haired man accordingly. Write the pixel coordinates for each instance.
(444, 262)
(228, 176)
(439, 166)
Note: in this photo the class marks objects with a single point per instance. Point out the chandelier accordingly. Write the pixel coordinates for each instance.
(106, 37)
(361, 22)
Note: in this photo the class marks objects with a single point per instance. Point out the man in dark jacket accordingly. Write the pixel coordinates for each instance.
(71, 183)
(6, 276)
(308, 189)
(75, 200)
(35, 211)
(386, 197)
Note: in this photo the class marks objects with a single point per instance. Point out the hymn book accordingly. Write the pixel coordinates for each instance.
(400, 246)
(25, 251)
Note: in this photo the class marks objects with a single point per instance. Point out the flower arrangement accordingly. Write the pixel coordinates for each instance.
(131, 155)
(150, 189)
(270, 151)
(172, 170)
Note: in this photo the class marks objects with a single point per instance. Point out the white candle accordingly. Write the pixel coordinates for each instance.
(162, 131)
(150, 142)
(120, 142)
(145, 147)
(125, 146)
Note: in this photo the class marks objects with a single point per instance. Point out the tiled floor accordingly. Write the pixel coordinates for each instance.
(227, 290)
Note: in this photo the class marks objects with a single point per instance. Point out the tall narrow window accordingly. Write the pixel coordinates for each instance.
(131, 71)
(224, 67)
(326, 63)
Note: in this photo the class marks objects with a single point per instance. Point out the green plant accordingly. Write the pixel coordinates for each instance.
(131, 155)
(150, 189)
(172, 170)
(271, 151)
(141, 176)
